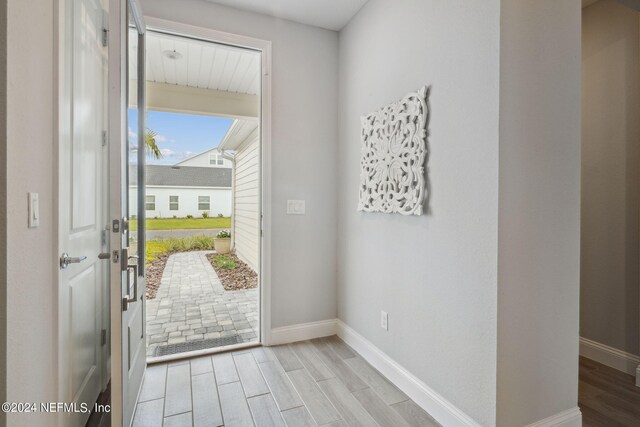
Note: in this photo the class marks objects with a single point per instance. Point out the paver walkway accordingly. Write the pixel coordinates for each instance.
(192, 305)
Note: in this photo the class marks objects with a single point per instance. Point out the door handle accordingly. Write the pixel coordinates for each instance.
(127, 299)
(104, 255)
(65, 260)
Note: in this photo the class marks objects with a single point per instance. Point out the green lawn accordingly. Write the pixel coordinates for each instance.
(183, 223)
(155, 248)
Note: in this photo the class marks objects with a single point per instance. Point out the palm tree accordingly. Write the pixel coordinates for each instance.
(150, 144)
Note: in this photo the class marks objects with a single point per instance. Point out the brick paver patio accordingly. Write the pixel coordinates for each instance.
(192, 305)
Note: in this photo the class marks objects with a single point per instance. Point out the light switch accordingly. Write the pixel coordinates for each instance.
(34, 210)
(296, 207)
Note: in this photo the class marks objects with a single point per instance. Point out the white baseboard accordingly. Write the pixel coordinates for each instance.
(437, 406)
(303, 331)
(569, 418)
(612, 357)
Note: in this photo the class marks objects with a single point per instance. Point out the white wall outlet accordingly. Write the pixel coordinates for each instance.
(33, 210)
(384, 320)
(296, 207)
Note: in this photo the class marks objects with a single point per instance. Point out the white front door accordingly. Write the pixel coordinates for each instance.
(126, 157)
(82, 209)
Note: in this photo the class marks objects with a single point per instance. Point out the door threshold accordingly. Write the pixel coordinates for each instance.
(204, 352)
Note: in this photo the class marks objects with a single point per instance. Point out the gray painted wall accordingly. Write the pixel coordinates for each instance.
(504, 172)
(31, 253)
(304, 146)
(436, 275)
(610, 175)
(3, 208)
(539, 228)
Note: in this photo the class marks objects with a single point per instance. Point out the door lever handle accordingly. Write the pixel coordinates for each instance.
(104, 255)
(65, 260)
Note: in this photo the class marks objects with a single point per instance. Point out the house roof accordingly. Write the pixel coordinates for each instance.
(209, 150)
(240, 131)
(184, 176)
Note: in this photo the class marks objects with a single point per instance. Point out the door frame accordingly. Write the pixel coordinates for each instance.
(264, 46)
(116, 129)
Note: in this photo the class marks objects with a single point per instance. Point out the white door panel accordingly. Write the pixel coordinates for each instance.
(82, 208)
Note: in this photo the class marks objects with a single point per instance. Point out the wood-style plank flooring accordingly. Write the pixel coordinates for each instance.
(607, 397)
(311, 383)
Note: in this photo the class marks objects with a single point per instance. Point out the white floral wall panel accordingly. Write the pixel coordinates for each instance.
(394, 149)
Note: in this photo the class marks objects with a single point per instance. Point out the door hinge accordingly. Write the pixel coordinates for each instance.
(105, 37)
(104, 138)
(105, 28)
(103, 337)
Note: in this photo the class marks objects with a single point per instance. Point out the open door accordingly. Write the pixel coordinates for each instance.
(82, 207)
(126, 192)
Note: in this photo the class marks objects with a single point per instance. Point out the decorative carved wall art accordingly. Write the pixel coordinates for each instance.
(394, 150)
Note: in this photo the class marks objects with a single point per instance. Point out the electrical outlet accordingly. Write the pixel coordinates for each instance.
(384, 320)
(296, 207)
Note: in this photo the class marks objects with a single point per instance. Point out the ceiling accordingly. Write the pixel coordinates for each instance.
(202, 64)
(329, 14)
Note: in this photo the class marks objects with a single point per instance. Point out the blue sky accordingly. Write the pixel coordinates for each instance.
(182, 135)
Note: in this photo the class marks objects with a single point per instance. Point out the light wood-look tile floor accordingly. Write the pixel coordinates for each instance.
(312, 383)
(607, 397)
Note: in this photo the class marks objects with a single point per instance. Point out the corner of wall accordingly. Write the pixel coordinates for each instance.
(539, 212)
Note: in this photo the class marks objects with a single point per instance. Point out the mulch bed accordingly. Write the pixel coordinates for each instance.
(241, 277)
(154, 275)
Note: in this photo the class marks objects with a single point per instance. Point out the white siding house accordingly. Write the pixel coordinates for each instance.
(246, 209)
(181, 191)
(210, 158)
(242, 144)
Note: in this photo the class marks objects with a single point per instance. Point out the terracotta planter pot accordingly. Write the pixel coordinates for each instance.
(222, 245)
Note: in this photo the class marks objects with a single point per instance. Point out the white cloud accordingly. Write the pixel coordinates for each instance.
(160, 138)
(167, 152)
(185, 154)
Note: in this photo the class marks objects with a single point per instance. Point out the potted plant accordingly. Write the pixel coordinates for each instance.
(222, 242)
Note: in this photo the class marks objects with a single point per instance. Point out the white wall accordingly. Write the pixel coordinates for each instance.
(246, 211)
(32, 263)
(304, 129)
(202, 160)
(610, 165)
(435, 274)
(219, 201)
(539, 211)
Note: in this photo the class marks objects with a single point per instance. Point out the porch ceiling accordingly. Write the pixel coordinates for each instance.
(202, 64)
(201, 78)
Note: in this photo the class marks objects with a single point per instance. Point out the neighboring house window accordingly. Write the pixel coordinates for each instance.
(173, 203)
(150, 203)
(204, 203)
(216, 159)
